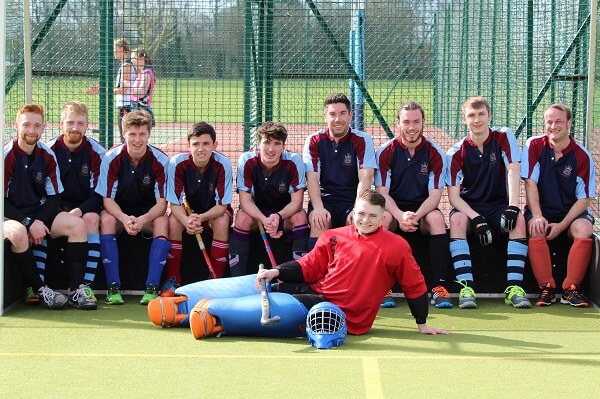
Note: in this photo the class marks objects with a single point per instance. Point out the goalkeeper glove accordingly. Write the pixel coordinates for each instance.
(508, 221)
(482, 229)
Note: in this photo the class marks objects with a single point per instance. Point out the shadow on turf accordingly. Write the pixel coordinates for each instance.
(494, 309)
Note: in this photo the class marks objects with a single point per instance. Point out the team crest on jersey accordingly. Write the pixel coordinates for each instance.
(146, 180)
(39, 177)
(493, 158)
(85, 169)
(424, 168)
(567, 171)
(282, 187)
(348, 160)
(211, 188)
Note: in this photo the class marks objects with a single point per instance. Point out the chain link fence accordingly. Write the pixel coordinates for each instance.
(236, 63)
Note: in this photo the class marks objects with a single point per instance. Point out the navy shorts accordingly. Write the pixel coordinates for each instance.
(339, 211)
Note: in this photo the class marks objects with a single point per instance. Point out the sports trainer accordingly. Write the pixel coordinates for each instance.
(133, 183)
(411, 175)
(559, 183)
(78, 157)
(203, 177)
(483, 188)
(271, 183)
(32, 188)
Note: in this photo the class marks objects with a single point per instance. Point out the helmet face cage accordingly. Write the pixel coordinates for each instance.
(326, 325)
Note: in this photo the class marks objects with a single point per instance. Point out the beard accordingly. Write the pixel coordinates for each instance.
(73, 138)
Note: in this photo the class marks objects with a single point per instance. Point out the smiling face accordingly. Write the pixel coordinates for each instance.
(410, 122)
(557, 125)
(30, 127)
(270, 149)
(367, 217)
(337, 117)
(477, 119)
(201, 148)
(136, 138)
(73, 126)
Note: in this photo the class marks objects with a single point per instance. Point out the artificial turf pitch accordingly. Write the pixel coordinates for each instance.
(494, 351)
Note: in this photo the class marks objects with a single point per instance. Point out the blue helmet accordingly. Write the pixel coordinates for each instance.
(326, 325)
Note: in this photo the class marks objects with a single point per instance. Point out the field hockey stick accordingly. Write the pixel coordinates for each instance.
(261, 228)
(265, 318)
(188, 212)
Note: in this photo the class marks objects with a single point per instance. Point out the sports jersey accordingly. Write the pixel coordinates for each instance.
(482, 176)
(134, 188)
(560, 182)
(29, 180)
(338, 163)
(271, 189)
(79, 172)
(410, 178)
(203, 190)
(343, 263)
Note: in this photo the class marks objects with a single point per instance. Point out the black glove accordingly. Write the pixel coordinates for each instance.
(482, 229)
(508, 221)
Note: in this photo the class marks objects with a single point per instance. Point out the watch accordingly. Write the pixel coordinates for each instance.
(27, 221)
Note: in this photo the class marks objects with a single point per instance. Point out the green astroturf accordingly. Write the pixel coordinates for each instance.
(493, 352)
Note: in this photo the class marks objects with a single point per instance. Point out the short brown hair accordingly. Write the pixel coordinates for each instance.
(138, 117)
(561, 107)
(74, 106)
(338, 98)
(410, 106)
(273, 130)
(200, 128)
(30, 108)
(373, 197)
(476, 103)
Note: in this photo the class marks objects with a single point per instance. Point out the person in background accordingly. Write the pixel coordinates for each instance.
(142, 90)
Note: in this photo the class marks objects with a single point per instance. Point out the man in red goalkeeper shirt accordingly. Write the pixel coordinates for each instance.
(353, 267)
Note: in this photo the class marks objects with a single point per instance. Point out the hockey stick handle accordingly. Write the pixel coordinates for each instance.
(188, 211)
(265, 318)
(263, 235)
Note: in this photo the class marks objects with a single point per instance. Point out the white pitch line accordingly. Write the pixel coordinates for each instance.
(586, 356)
(372, 378)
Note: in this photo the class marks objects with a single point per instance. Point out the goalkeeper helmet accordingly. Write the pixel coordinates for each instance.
(326, 325)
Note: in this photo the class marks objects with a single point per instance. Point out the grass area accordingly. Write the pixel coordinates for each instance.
(222, 100)
(493, 351)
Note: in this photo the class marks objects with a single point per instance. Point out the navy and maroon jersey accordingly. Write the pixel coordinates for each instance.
(203, 190)
(561, 182)
(410, 178)
(134, 188)
(355, 272)
(338, 163)
(482, 176)
(270, 189)
(79, 172)
(30, 179)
